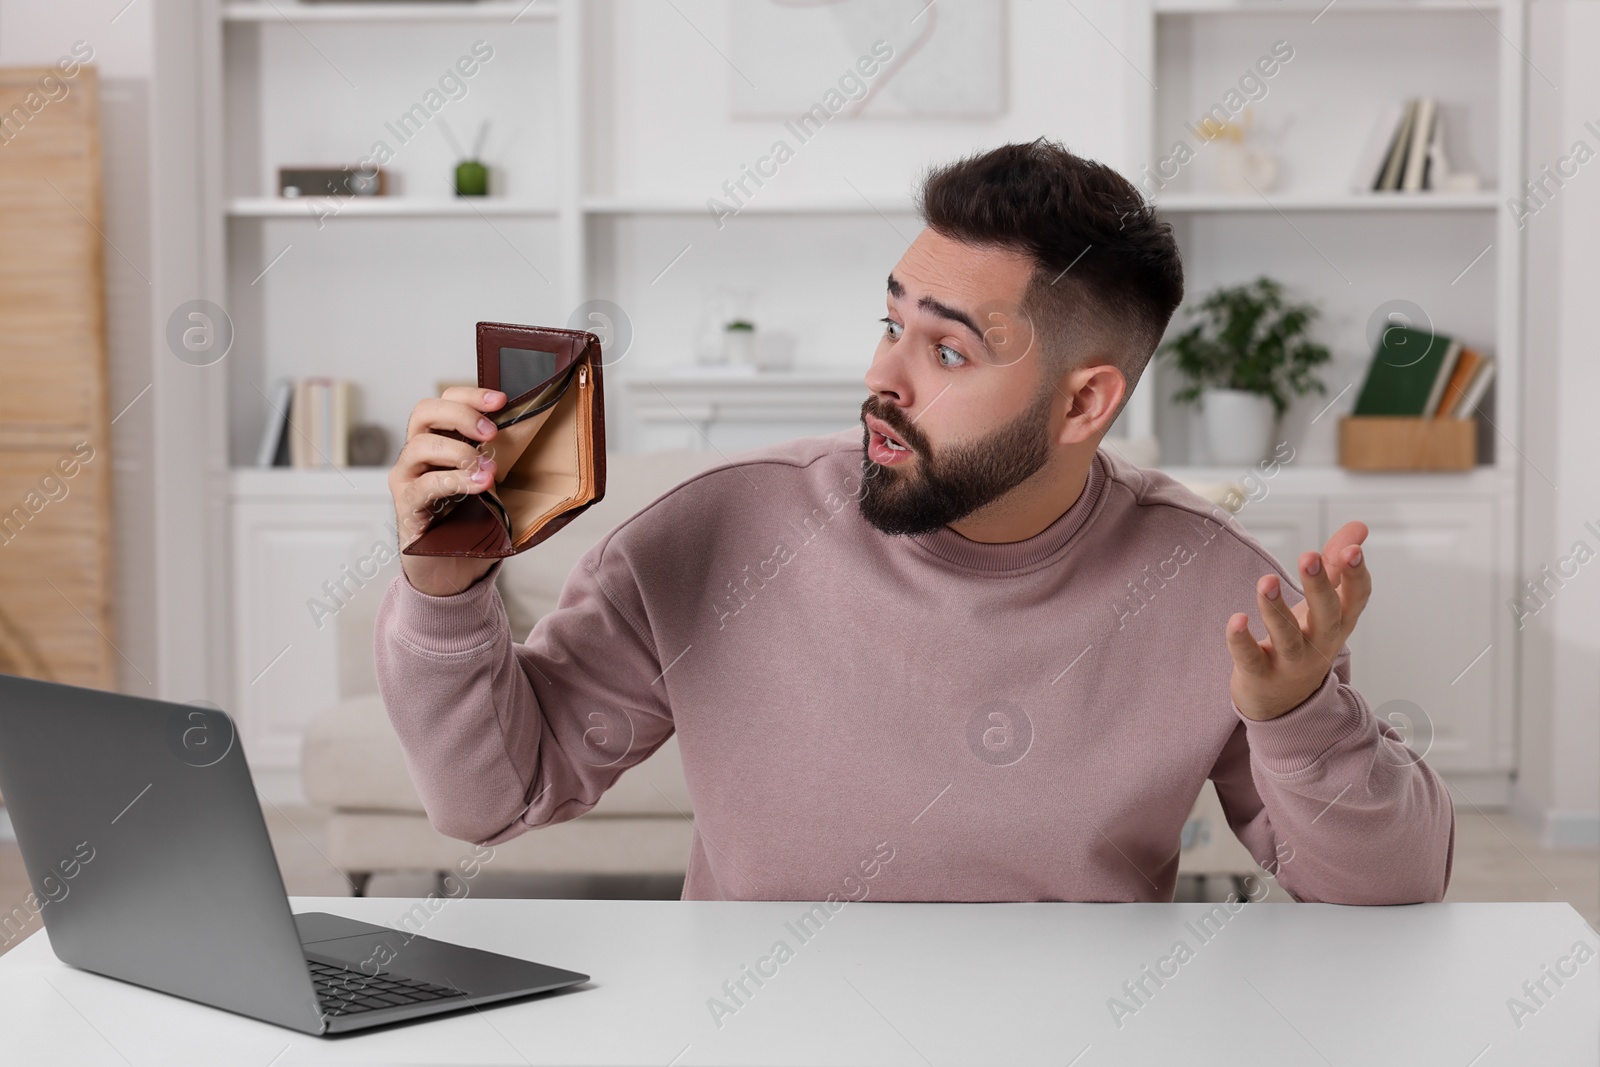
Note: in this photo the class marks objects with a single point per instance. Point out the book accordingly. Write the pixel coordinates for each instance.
(299, 425)
(1394, 163)
(1441, 378)
(272, 433)
(1404, 374)
(320, 418)
(1417, 147)
(339, 443)
(1460, 378)
(1369, 168)
(318, 423)
(1468, 405)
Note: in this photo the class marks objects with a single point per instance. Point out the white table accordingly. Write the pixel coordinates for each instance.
(913, 984)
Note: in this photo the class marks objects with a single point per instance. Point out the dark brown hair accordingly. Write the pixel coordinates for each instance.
(1107, 274)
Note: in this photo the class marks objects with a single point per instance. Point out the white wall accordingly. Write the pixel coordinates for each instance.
(36, 33)
(1558, 787)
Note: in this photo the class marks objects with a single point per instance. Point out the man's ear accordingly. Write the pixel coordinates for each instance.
(1092, 393)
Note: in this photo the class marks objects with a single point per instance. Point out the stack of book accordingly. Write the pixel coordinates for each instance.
(1426, 375)
(1406, 153)
(308, 425)
(1415, 409)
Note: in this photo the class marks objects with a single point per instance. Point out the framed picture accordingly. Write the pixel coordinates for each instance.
(871, 58)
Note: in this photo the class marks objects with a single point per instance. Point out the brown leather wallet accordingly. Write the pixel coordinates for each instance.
(549, 453)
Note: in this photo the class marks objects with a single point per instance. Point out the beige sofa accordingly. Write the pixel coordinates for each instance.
(352, 763)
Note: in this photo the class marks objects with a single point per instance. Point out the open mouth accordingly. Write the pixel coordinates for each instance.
(883, 446)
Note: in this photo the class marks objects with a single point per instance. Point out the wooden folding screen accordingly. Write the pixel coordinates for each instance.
(55, 455)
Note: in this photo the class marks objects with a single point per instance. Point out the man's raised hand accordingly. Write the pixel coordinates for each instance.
(1273, 676)
(432, 468)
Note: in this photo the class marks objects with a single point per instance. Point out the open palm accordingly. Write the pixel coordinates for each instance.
(1275, 675)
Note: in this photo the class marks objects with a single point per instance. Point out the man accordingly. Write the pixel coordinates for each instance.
(969, 640)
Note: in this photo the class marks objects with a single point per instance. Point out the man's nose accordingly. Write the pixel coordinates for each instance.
(886, 379)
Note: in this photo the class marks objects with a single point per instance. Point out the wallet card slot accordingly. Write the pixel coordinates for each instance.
(535, 401)
(522, 370)
(495, 505)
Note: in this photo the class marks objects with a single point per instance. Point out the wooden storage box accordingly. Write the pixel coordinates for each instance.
(1407, 443)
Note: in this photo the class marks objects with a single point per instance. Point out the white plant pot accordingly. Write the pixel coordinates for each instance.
(1238, 426)
(739, 347)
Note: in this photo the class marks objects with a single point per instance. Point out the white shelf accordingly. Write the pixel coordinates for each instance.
(340, 482)
(703, 377)
(310, 207)
(854, 205)
(1321, 7)
(507, 11)
(1330, 480)
(1486, 200)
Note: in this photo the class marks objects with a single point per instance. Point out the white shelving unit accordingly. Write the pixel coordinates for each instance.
(1349, 252)
(316, 209)
(601, 190)
(299, 83)
(1442, 546)
(506, 12)
(1313, 8)
(1194, 202)
(890, 204)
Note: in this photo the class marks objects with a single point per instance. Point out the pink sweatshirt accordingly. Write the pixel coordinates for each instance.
(1008, 722)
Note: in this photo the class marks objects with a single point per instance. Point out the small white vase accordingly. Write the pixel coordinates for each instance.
(1244, 171)
(1238, 426)
(739, 347)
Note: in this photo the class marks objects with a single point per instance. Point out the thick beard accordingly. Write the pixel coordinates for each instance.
(960, 480)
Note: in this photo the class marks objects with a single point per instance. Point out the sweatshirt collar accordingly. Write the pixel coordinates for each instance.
(1019, 555)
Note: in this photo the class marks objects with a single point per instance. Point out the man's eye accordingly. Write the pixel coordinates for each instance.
(956, 357)
(891, 327)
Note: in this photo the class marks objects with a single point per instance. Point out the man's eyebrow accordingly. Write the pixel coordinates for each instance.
(943, 310)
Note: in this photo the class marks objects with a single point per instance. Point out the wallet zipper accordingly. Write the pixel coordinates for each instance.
(584, 407)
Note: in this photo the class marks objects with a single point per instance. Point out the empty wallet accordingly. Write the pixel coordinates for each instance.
(549, 453)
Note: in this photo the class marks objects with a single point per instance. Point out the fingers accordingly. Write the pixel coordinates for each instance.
(1325, 609)
(429, 451)
(440, 485)
(1283, 629)
(433, 464)
(482, 399)
(418, 499)
(440, 460)
(459, 410)
(1356, 589)
(1247, 653)
(1335, 552)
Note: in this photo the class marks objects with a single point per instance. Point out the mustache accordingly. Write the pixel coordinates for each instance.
(909, 434)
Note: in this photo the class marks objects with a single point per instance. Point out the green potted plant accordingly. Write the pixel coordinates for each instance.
(739, 341)
(1246, 355)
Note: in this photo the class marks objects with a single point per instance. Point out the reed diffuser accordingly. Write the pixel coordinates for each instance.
(472, 175)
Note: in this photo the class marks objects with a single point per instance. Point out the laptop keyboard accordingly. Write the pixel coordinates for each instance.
(342, 991)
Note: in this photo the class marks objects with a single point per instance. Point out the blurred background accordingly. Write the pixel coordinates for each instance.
(239, 240)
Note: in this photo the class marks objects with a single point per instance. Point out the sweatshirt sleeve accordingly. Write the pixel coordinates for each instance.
(1334, 804)
(499, 736)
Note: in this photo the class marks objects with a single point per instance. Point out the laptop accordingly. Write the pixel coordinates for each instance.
(145, 843)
